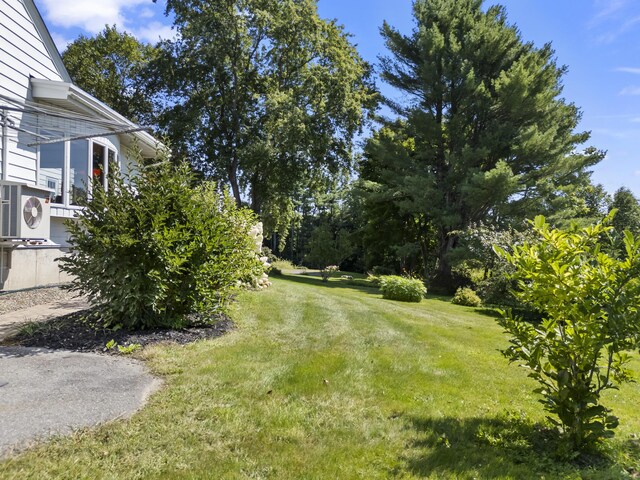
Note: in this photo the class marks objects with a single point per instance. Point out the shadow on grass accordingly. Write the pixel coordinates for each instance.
(358, 284)
(509, 446)
(489, 312)
(316, 281)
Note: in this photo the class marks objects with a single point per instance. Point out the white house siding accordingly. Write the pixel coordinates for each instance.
(23, 53)
(59, 234)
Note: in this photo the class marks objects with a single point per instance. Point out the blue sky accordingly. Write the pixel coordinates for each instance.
(599, 41)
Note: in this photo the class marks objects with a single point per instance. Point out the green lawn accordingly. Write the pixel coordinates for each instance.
(330, 381)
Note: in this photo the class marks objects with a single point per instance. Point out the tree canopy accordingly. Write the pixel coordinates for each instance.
(627, 216)
(263, 95)
(109, 66)
(482, 132)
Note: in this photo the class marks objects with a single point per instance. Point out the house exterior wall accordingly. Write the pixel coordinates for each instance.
(27, 267)
(24, 53)
(31, 70)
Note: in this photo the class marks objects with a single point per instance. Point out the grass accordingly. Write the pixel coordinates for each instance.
(286, 266)
(330, 381)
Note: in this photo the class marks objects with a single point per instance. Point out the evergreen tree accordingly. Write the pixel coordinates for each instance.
(628, 211)
(482, 134)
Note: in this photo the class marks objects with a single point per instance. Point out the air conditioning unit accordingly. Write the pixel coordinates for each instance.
(24, 212)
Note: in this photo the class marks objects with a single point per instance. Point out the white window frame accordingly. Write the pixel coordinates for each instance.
(66, 168)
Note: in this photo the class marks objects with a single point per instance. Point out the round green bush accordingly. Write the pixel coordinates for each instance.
(158, 246)
(404, 289)
(466, 296)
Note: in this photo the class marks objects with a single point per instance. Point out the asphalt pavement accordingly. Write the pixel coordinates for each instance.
(46, 392)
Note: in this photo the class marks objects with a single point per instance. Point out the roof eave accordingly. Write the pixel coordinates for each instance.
(68, 92)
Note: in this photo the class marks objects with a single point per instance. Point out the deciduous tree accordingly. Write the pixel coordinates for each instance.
(109, 67)
(264, 95)
(627, 216)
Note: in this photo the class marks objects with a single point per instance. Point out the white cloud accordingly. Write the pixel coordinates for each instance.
(154, 31)
(631, 90)
(146, 13)
(634, 70)
(613, 19)
(607, 8)
(635, 120)
(90, 16)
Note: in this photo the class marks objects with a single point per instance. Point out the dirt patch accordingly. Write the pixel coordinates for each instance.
(82, 332)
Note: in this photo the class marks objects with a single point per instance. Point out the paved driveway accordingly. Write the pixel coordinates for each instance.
(45, 392)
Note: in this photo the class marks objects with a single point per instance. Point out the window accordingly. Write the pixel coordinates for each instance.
(69, 163)
(99, 168)
(52, 168)
(78, 172)
(112, 159)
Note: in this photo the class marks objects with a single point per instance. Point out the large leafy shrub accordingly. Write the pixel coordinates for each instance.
(158, 246)
(404, 289)
(591, 302)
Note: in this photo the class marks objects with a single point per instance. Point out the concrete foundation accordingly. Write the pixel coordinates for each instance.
(31, 266)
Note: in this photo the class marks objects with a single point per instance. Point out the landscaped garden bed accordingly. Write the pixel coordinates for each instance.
(82, 332)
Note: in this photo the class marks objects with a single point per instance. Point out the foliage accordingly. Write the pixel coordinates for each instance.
(627, 216)
(326, 272)
(475, 250)
(580, 203)
(264, 96)
(123, 349)
(400, 288)
(155, 246)
(374, 279)
(109, 66)
(129, 349)
(327, 247)
(279, 265)
(466, 296)
(482, 132)
(592, 318)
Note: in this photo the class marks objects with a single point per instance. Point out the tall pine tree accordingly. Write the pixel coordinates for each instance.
(482, 132)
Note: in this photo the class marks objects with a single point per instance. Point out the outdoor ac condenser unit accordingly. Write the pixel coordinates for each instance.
(24, 212)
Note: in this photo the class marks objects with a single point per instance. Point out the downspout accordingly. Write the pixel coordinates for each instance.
(1, 268)
(4, 120)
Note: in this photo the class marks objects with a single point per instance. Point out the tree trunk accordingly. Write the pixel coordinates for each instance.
(444, 277)
(425, 255)
(233, 181)
(256, 201)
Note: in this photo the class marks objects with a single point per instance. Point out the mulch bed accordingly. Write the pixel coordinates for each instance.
(81, 332)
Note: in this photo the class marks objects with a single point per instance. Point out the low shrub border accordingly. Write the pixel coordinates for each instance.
(404, 289)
